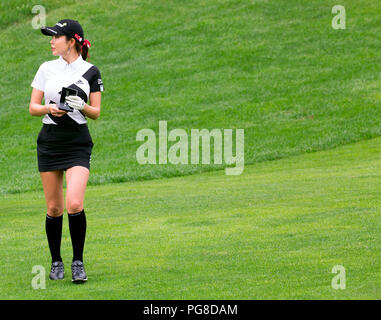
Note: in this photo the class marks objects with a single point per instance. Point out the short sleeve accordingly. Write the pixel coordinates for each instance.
(95, 82)
(39, 79)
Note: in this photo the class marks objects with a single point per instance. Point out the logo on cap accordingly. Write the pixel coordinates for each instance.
(61, 24)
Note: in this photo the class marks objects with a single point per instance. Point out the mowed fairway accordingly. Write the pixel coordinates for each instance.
(275, 232)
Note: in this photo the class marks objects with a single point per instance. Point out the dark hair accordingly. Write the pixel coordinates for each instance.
(83, 50)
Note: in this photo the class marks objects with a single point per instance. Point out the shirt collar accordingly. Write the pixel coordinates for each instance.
(73, 65)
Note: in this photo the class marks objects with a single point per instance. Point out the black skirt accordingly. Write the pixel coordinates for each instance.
(63, 147)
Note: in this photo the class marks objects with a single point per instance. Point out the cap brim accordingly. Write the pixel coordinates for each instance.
(51, 31)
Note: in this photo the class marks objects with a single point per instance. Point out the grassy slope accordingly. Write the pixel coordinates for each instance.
(273, 233)
(275, 68)
(14, 11)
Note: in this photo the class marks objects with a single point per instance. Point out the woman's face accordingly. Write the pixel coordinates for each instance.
(59, 45)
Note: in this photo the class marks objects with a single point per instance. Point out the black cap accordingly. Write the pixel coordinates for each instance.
(68, 27)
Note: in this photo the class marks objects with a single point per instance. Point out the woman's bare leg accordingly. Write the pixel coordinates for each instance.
(52, 182)
(76, 181)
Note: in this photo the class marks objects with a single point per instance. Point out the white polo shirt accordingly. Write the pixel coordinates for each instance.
(79, 75)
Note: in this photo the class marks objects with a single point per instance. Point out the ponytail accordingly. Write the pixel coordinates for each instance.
(82, 49)
(85, 52)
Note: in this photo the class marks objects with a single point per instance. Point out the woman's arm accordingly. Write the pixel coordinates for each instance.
(35, 106)
(93, 110)
(37, 109)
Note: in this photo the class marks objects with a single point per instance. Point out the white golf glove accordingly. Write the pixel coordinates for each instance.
(75, 102)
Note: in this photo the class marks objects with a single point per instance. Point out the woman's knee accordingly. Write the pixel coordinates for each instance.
(74, 206)
(55, 210)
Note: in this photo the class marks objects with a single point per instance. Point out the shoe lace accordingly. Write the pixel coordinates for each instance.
(57, 267)
(78, 268)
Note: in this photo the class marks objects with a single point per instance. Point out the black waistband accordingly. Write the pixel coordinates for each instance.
(64, 127)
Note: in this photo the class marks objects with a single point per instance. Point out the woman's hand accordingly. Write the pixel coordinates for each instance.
(75, 102)
(54, 111)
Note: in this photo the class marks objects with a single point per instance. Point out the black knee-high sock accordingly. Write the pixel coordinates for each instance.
(77, 226)
(53, 228)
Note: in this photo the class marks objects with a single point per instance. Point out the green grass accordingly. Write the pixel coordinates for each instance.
(14, 11)
(309, 100)
(275, 68)
(275, 232)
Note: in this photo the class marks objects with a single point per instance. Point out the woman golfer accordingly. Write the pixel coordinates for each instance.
(64, 142)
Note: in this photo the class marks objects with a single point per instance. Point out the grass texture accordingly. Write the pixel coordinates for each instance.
(275, 232)
(274, 68)
(308, 98)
